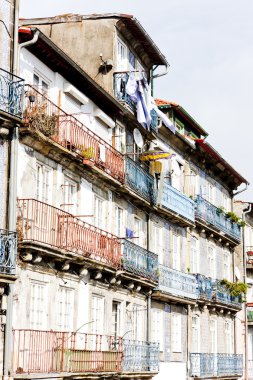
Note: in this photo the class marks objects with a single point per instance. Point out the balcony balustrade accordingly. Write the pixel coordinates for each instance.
(36, 352)
(249, 314)
(211, 215)
(44, 116)
(8, 252)
(120, 82)
(139, 180)
(140, 356)
(177, 202)
(177, 283)
(42, 223)
(11, 94)
(140, 261)
(250, 369)
(222, 295)
(215, 365)
(205, 287)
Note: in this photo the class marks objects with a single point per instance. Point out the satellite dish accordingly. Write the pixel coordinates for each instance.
(138, 139)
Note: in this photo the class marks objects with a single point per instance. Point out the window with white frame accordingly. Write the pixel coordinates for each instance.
(194, 255)
(138, 323)
(176, 251)
(176, 173)
(41, 82)
(69, 195)
(119, 139)
(43, 182)
(210, 193)
(138, 231)
(213, 335)
(116, 318)
(157, 327)
(38, 306)
(193, 183)
(226, 264)
(211, 262)
(99, 212)
(195, 334)
(119, 221)
(228, 336)
(65, 298)
(122, 61)
(225, 201)
(97, 314)
(157, 237)
(176, 332)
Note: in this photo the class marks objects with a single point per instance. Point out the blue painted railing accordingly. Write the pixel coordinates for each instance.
(140, 356)
(139, 180)
(213, 365)
(205, 287)
(177, 202)
(11, 94)
(222, 295)
(140, 261)
(177, 283)
(210, 214)
(8, 252)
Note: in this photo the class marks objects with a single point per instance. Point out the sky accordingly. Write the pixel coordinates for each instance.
(208, 44)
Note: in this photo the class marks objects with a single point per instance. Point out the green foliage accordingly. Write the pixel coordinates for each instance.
(232, 216)
(221, 210)
(236, 289)
(88, 153)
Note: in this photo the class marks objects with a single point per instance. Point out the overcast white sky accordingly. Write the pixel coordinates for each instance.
(209, 44)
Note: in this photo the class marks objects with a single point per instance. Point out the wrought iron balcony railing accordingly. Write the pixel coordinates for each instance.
(8, 252)
(140, 261)
(40, 222)
(211, 215)
(222, 295)
(177, 283)
(205, 287)
(120, 82)
(249, 314)
(43, 115)
(215, 365)
(11, 94)
(140, 356)
(139, 180)
(177, 202)
(37, 352)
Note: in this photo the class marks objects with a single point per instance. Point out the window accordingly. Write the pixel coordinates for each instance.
(194, 255)
(157, 235)
(116, 318)
(228, 336)
(211, 262)
(176, 173)
(135, 323)
(119, 139)
(225, 201)
(38, 306)
(226, 264)
(65, 309)
(119, 222)
(97, 314)
(70, 196)
(122, 64)
(99, 214)
(176, 332)
(137, 231)
(193, 183)
(40, 82)
(195, 334)
(213, 336)
(210, 193)
(179, 126)
(43, 181)
(157, 327)
(176, 242)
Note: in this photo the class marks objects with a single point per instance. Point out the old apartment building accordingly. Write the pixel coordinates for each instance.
(124, 216)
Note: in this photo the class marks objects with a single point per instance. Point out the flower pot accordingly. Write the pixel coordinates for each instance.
(88, 162)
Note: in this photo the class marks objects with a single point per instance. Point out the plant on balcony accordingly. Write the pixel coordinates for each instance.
(221, 210)
(232, 216)
(88, 153)
(39, 119)
(236, 289)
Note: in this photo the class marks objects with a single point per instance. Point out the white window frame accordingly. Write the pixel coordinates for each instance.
(195, 334)
(194, 255)
(211, 192)
(99, 212)
(116, 318)
(213, 335)
(122, 59)
(65, 298)
(44, 182)
(226, 264)
(119, 224)
(193, 183)
(138, 231)
(228, 336)
(69, 195)
(176, 332)
(38, 305)
(97, 314)
(158, 243)
(211, 261)
(157, 328)
(176, 250)
(43, 80)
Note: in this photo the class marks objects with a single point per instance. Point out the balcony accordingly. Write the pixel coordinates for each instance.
(178, 203)
(46, 352)
(177, 284)
(205, 287)
(249, 257)
(140, 356)
(69, 133)
(120, 81)
(210, 214)
(140, 181)
(8, 253)
(222, 296)
(215, 365)
(249, 314)
(43, 224)
(11, 94)
(140, 261)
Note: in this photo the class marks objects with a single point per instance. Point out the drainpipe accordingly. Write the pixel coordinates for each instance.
(149, 293)
(13, 159)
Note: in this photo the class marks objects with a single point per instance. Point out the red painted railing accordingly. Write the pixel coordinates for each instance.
(42, 114)
(37, 351)
(40, 222)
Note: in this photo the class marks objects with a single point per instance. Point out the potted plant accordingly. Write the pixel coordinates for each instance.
(88, 154)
